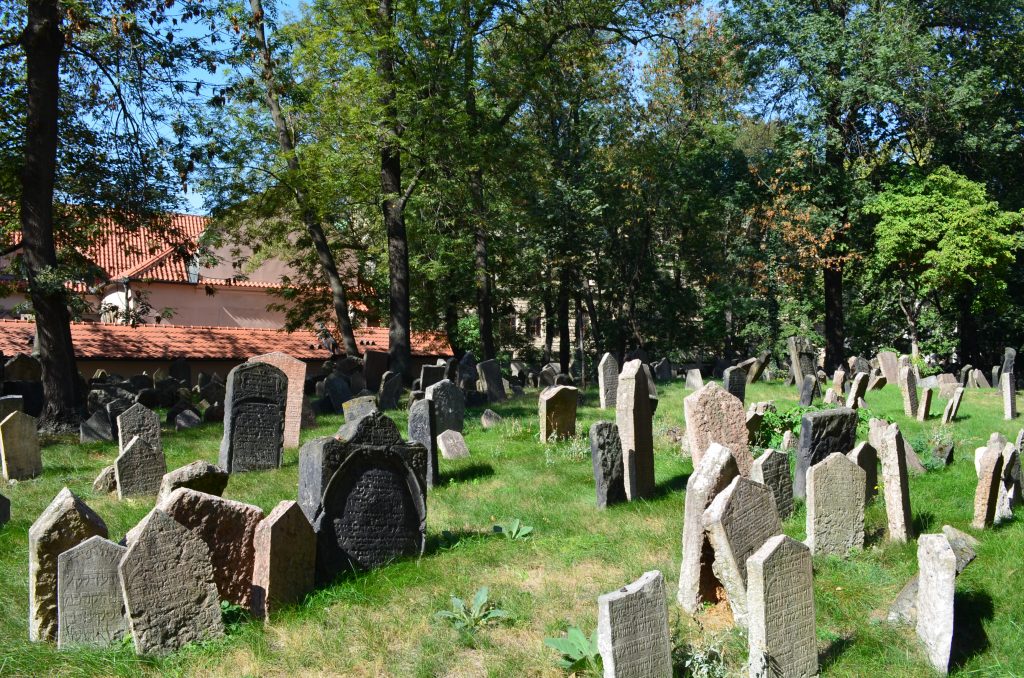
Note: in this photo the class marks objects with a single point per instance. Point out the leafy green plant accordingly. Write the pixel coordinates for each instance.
(233, 616)
(704, 662)
(578, 653)
(776, 423)
(468, 619)
(514, 529)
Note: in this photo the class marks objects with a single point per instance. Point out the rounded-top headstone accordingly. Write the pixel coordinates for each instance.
(254, 417)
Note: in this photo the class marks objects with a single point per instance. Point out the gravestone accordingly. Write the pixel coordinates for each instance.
(801, 357)
(809, 391)
(896, 485)
(548, 375)
(19, 447)
(694, 381)
(1009, 360)
(1008, 387)
(986, 496)
(924, 406)
(142, 422)
(556, 410)
(489, 419)
(375, 364)
(31, 393)
(662, 370)
(115, 408)
(490, 376)
(254, 413)
(889, 363)
(90, 604)
(947, 385)
(839, 382)
(11, 403)
(337, 390)
(835, 506)
(996, 372)
(285, 559)
(295, 372)
(431, 374)
(357, 408)
(374, 511)
(780, 596)
(632, 630)
(652, 387)
(606, 458)
(633, 417)
(904, 609)
(452, 445)
(734, 379)
(953, 406)
(390, 391)
(698, 583)
(738, 522)
(716, 416)
(181, 370)
(937, 566)
(756, 369)
(830, 397)
(771, 469)
(5, 510)
(908, 387)
(608, 380)
(858, 389)
(23, 367)
(859, 364)
(1010, 486)
(139, 469)
(422, 430)
(189, 419)
(201, 476)
(449, 410)
(62, 525)
(978, 379)
(821, 434)
(105, 481)
(227, 527)
(966, 372)
(170, 595)
(866, 457)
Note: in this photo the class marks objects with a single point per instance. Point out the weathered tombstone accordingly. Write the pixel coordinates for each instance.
(866, 456)
(105, 481)
(452, 445)
(780, 596)
(62, 525)
(904, 609)
(734, 379)
(924, 406)
(285, 559)
(449, 406)
(115, 408)
(889, 364)
(771, 469)
(5, 510)
(821, 434)
(835, 506)
(431, 374)
(374, 511)
(201, 476)
(181, 370)
(375, 364)
(606, 458)
(652, 387)
(557, 412)
(756, 368)
(895, 485)
(966, 374)
(19, 447)
(490, 375)
(142, 422)
(953, 406)
(489, 419)
(632, 630)
(390, 391)
(337, 390)
(1008, 387)
(189, 419)
(937, 566)
(662, 370)
(90, 605)
(23, 367)
(858, 388)
(715, 416)
(1009, 359)
(608, 380)
(139, 469)
(986, 496)
(227, 528)
(1010, 487)
(357, 408)
(422, 430)
(694, 381)
(295, 372)
(996, 373)
(548, 374)
(170, 595)
(808, 390)
(801, 356)
(633, 417)
(254, 413)
(738, 522)
(978, 379)
(787, 442)
(839, 382)
(947, 384)
(9, 404)
(908, 387)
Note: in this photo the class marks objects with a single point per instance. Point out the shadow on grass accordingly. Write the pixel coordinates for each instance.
(449, 540)
(674, 484)
(875, 536)
(830, 655)
(467, 473)
(923, 522)
(969, 637)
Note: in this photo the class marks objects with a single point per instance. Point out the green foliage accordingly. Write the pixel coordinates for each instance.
(777, 422)
(234, 616)
(697, 662)
(468, 619)
(579, 654)
(514, 530)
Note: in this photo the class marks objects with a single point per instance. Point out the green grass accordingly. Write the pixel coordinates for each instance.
(382, 622)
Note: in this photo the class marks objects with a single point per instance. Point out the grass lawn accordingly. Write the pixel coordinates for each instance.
(382, 623)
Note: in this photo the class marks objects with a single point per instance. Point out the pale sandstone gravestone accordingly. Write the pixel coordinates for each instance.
(1008, 387)
(490, 376)
(90, 607)
(633, 416)
(839, 382)
(632, 630)
(452, 445)
(738, 522)
(201, 476)
(904, 608)
(608, 380)
(489, 419)
(889, 363)
(734, 380)
(937, 569)
(19, 447)
(821, 434)
(947, 384)
(556, 410)
(694, 381)
(139, 469)
(771, 469)
(254, 415)
(169, 590)
(62, 525)
(715, 416)
(835, 506)
(908, 387)
(858, 388)
(866, 456)
(757, 367)
(698, 583)
(780, 595)
(953, 406)
(285, 560)
(449, 406)
(295, 371)
(979, 380)
(924, 407)
(986, 496)
(606, 459)
(895, 485)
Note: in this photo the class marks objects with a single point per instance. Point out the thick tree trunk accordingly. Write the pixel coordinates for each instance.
(312, 223)
(834, 331)
(564, 337)
(43, 42)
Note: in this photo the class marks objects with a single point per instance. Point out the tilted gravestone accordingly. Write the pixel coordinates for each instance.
(374, 511)
(896, 485)
(632, 629)
(780, 595)
(254, 414)
(142, 422)
(359, 407)
(771, 469)
(839, 382)
(633, 417)
(490, 377)
(662, 370)
(89, 600)
(734, 379)
(904, 609)
(139, 469)
(698, 583)
(953, 406)
(295, 372)
(835, 506)
(858, 388)
(715, 416)
(115, 409)
(947, 384)
(757, 366)
(738, 522)
(801, 357)
(866, 456)
(62, 525)
(937, 570)
(606, 458)
(1010, 487)
(337, 390)
(20, 458)
(608, 380)
(908, 387)
(285, 559)
(556, 410)
(449, 409)
(809, 390)
(170, 594)
(986, 495)
(694, 381)
(201, 476)
(390, 391)
(821, 434)
(889, 363)
(452, 445)
(489, 419)
(924, 405)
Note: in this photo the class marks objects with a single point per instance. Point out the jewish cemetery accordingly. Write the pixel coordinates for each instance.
(621, 340)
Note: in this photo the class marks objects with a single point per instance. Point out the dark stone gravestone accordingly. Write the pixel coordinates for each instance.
(375, 364)
(606, 456)
(338, 390)
(431, 374)
(31, 393)
(390, 391)
(181, 370)
(254, 412)
(821, 434)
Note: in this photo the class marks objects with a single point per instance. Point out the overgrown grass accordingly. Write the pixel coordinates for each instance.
(382, 622)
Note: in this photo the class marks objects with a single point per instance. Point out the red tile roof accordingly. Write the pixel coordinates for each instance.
(102, 341)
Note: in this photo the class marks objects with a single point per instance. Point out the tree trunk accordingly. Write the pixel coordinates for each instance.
(550, 324)
(564, 338)
(834, 332)
(286, 142)
(43, 42)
